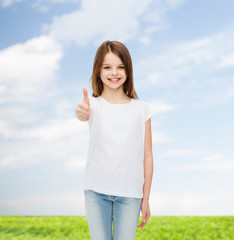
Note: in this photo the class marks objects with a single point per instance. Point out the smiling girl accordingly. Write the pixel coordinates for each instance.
(119, 165)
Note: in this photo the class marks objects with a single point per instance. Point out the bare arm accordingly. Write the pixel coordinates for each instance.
(148, 161)
(148, 173)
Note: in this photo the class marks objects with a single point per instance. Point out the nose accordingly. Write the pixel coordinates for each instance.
(114, 71)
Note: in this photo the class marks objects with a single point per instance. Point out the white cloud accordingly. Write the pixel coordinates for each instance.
(157, 106)
(160, 137)
(72, 203)
(97, 21)
(213, 157)
(28, 153)
(174, 3)
(188, 69)
(27, 69)
(64, 141)
(53, 129)
(43, 5)
(145, 40)
(156, 13)
(225, 165)
(181, 152)
(8, 3)
(227, 60)
(210, 162)
(61, 1)
(75, 164)
(182, 59)
(8, 116)
(87, 24)
(191, 203)
(63, 107)
(65, 203)
(46, 5)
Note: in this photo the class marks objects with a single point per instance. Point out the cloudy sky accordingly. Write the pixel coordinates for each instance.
(183, 59)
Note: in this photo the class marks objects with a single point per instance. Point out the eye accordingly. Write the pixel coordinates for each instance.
(122, 67)
(106, 67)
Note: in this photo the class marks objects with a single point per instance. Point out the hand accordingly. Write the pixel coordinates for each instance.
(145, 209)
(83, 109)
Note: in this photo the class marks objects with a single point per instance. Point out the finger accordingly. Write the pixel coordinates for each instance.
(83, 116)
(83, 106)
(141, 225)
(86, 98)
(148, 216)
(82, 110)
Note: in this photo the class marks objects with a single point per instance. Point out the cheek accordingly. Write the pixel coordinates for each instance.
(102, 75)
(124, 74)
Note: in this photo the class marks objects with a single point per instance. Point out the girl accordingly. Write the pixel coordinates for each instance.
(119, 166)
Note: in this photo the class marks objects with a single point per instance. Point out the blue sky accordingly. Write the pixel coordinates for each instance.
(183, 60)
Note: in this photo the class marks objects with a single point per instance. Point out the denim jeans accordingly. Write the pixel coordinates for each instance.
(102, 209)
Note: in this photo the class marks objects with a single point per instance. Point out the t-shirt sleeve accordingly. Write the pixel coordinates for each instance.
(148, 113)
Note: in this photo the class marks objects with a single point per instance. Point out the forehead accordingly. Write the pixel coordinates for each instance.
(112, 58)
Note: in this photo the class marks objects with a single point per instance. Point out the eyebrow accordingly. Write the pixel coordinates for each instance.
(110, 64)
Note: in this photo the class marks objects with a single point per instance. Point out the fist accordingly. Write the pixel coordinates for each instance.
(83, 109)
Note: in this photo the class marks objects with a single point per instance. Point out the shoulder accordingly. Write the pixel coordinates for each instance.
(146, 108)
(93, 101)
(141, 102)
(91, 97)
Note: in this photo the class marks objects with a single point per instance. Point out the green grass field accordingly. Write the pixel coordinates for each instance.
(158, 227)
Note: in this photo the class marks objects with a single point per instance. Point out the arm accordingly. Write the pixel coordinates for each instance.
(148, 161)
(148, 173)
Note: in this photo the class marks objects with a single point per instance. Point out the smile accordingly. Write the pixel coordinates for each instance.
(114, 79)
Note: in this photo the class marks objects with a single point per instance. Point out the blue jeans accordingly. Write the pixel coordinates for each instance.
(102, 209)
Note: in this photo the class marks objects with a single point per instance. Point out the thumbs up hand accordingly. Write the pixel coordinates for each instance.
(86, 98)
(83, 109)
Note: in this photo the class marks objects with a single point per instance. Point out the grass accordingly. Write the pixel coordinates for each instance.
(158, 227)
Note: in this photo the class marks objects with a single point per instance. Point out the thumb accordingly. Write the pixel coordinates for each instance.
(86, 98)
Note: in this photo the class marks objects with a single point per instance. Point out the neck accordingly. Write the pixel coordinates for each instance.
(114, 96)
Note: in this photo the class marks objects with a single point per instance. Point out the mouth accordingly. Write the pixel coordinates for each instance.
(113, 79)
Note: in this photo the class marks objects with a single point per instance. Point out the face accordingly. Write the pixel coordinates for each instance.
(112, 72)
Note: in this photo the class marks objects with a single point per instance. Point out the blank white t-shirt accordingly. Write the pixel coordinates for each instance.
(115, 160)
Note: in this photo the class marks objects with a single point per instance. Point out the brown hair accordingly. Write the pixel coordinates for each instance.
(122, 52)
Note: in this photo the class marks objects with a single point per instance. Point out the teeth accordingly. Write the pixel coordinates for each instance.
(114, 79)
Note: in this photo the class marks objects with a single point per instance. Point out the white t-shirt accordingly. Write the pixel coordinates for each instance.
(115, 161)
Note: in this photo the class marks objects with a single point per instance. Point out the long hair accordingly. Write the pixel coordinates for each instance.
(122, 52)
